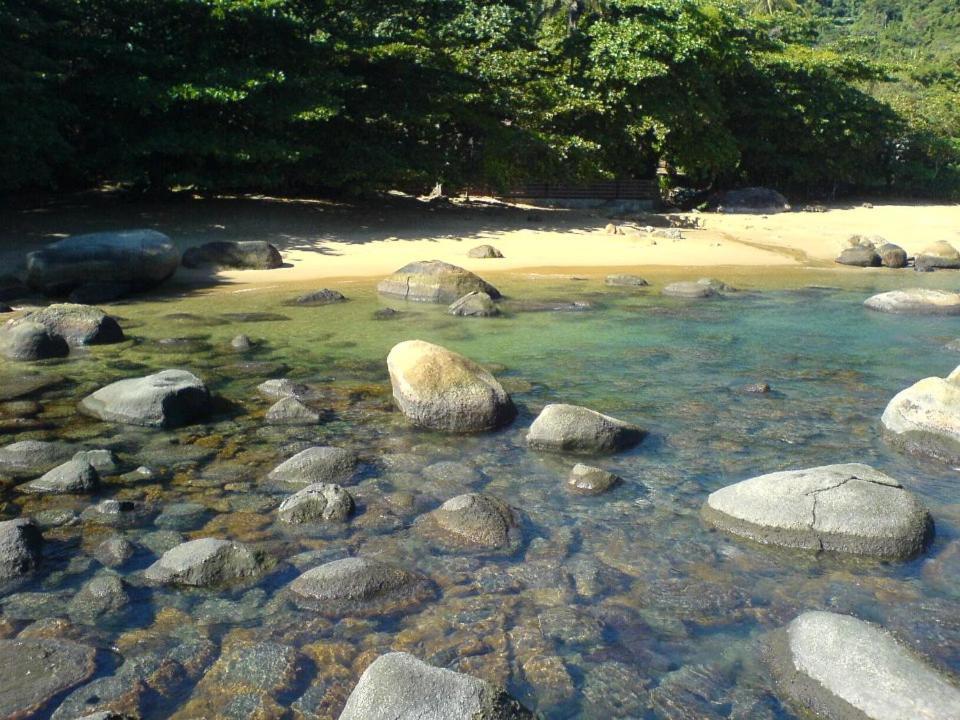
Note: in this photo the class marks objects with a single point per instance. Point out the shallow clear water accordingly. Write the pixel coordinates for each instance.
(618, 606)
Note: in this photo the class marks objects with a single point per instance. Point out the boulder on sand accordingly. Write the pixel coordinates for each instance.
(575, 429)
(915, 301)
(242, 255)
(924, 419)
(940, 255)
(484, 252)
(398, 686)
(167, 399)
(753, 200)
(838, 667)
(207, 561)
(442, 390)
(433, 281)
(28, 340)
(77, 324)
(849, 508)
(139, 259)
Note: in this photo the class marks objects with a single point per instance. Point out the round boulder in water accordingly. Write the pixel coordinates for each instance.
(360, 586)
(207, 561)
(850, 508)
(475, 304)
(689, 289)
(575, 429)
(838, 667)
(72, 477)
(317, 465)
(28, 340)
(442, 390)
(915, 301)
(924, 419)
(166, 399)
(435, 282)
(473, 521)
(78, 324)
(319, 502)
(587, 480)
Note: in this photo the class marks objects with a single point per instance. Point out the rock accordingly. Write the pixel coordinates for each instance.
(98, 292)
(317, 465)
(484, 252)
(575, 429)
(77, 324)
(435, 282)
(241, 343)
(587, 480)
(118, 513)
(849, 508)
(386, 313)
(242, 255)
(892, 256)
(74, 476)
(924, 419)
(29, 458)
(474, 521)
(360, 586)
(104, 594)
(939, 256)
(836, 666)
(181, 516)
(442, 390)
(139, 259)
(315, 503)
(398, 686)
(758, 200)
(29, 340)
(290, 411)
(860, 256)
(103, 461)
(321, 297)
(114, 551)
(37, 670)
(475, 304)
(625, 281)
(689, 289)
(207, 561)
(20, 548)
(167, 399)
(916, 301)
(281, 388)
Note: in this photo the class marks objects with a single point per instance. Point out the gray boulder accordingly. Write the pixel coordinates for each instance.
(319, 502)
(442, 390)
(838, 667)
(924, 419)
(475, 304)
(103, 461)
(587, 480)
(28, 340)
(360, 586)
(72, 477)
(753, 200)
(625, 281)
(892, 256)
(689, 289)
(321, 297)
(575, 429)
(280, 388)
(484, 252)
(850, 508)
(167, 399)
(940, 255)
(291, 411)
(473, 521)
(78, 324)
(29, 458)
(433, 281)
(139, 259)
(242, 255)
(317, 465)
(398, 686)
(860, 256)
(207, 561)
(36, 670)
(916, 301)
(20, 548)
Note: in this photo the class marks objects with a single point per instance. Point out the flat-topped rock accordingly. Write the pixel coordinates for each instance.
(207, 561)
(28, 340)
(435, 282)
(690, 289)
(475, 304)
(924, 419)
(167, 399)
(319, 502)
(473, 521)
(850, 508)
(575, 429)
(78, 324)
(360, 586)
(72, 477)
(317, 465)
(484, 252)
(588, 480)
(37, 670)
(442, 390)
(838, 667)
(398, 686)
(20, 547)
(916, 301)
(238, 255)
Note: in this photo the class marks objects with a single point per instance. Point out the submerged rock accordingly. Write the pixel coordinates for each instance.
(317, 465)
(20, 548)
(166, 399)
(690, 289)
(73, 476)
(28, 340)
(280, 388)
(78, 324)
(207, 561)
(924, 419)
(360, 586)
(849, 508)
(29, 458)
(484, 252)
(240, 255)
(315, 503)
(114, 551)
(916, 301)
(290, 411)
(435, 282)
(37, 670)
(836, 666)
(321, 297)
(587, 480)
(575, 429)
(104, 594)
(475, 304)
(940, 255)
(398, 686)
(442, 390)
(860, 256)
(473, 521)
(625, 281)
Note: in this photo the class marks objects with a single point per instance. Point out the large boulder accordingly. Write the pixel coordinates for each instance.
(319, 502)
(473, 521)
(72, 477)
(924, 419)
(753, 200)
(892, 256)
(206, 562)
(838, 667)
(139, 259)
(860, 256)
(28, 340)
(849, 508)
(940, 255)
(398, 686)
(442, 390)
(915, 301)
(36, 670)
(20, 547)
(475, 304)
(575, 429)
(317, 465)
(242, 255)
(77, 324)
(360, 586)
(435, 282)
(166, 399)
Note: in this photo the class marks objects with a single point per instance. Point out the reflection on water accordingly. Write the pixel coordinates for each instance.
(622, 605)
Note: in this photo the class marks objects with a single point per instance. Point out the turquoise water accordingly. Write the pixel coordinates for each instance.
(618, 606)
